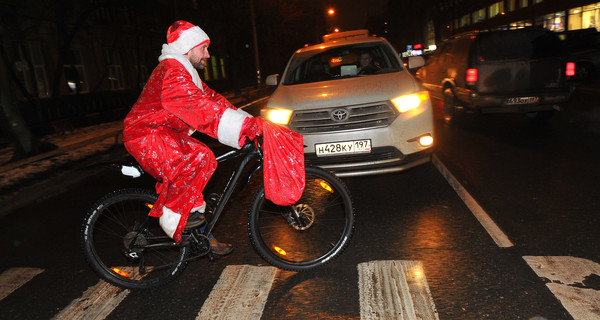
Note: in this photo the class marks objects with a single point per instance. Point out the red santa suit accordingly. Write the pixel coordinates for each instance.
(157, 130)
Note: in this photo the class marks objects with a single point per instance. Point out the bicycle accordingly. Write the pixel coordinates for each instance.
(128, 248)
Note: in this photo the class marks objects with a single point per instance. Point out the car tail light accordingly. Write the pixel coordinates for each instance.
(570, 71)
(472, 75)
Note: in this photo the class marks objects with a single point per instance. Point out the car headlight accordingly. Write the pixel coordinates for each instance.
(279, 116)
(410, 101)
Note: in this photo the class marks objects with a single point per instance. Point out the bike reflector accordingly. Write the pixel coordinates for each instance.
(120, 272)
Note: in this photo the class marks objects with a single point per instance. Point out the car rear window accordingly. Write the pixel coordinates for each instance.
(518, 44)
(339, 63)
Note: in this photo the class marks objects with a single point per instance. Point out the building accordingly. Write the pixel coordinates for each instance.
(66, 64)
(457, 16)
(440, 19)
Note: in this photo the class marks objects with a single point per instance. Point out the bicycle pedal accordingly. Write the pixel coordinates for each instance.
(212, 256)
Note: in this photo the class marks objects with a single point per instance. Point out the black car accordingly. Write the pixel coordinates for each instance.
(522, 70)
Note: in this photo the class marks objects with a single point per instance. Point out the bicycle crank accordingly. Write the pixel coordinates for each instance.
(132, 247)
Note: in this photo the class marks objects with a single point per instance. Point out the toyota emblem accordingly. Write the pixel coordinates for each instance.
(339, 115)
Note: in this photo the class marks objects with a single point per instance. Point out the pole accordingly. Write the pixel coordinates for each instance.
(255, 38)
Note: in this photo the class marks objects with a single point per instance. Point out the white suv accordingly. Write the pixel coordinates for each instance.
(354, 120)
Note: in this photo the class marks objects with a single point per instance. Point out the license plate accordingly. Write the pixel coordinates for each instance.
(345, 147)
(521, 100)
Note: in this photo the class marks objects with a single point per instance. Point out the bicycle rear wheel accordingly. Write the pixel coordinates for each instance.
(308, 233)
(128, 248)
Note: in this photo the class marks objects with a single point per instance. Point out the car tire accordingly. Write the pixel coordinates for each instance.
(584, 71)
(452, 112)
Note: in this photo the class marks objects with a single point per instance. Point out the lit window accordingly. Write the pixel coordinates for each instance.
(478, 15)
(496, 9)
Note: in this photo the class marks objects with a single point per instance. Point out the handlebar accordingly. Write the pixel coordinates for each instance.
(250, 146)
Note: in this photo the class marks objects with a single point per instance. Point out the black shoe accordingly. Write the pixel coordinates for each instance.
(220, 248)
(194, 221)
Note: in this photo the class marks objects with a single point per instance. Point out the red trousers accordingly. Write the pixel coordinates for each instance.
(181, 164)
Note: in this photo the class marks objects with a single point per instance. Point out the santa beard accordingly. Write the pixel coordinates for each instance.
(199, 64)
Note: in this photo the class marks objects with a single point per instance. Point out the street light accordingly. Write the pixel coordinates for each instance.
(331, 20)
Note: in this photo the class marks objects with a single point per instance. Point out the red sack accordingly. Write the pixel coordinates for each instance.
(283, 155)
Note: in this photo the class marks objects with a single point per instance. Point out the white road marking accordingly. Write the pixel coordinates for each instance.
(240, 293)
(254, 102)
(394, 289)
(567, 281)
(13, 278)
(488, 224)
(96, 303)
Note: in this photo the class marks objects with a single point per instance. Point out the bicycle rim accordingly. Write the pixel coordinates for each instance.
(125, 246)
(319, 231)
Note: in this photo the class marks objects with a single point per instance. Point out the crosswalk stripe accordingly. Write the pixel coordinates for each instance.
(394, 289)
(96, 303)
(13, 278)
(569, 279)
(240, 293)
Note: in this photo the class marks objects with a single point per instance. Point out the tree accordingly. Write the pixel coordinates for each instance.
(13, 124)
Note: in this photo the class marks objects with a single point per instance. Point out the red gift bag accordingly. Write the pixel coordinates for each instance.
(283, 155)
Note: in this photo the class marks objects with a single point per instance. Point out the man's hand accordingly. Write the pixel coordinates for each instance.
(251, 128)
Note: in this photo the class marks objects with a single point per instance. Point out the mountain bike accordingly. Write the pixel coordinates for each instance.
(128, 248)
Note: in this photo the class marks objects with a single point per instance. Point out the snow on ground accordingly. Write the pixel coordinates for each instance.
(72, 145)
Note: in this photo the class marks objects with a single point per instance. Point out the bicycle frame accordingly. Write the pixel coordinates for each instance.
(251, 153)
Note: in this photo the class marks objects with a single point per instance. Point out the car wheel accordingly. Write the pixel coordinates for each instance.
(584, 71)
(451, 109)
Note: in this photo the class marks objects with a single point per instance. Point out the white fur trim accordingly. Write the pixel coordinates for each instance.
(230, 127)
(169, 221)
(199, 209)
(168, 52)
(188, 39)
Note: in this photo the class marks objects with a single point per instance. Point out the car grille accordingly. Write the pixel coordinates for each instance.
(343, 118)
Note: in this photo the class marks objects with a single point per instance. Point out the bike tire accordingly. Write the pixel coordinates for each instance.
(322, 232)
(106, 241)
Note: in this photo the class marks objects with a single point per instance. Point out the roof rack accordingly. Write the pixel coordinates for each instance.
(346, 35)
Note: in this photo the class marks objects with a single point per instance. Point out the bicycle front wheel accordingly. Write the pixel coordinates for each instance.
(308, 233)
(128, 248)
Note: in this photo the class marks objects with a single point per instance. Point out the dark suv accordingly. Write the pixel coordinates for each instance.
(498, 71)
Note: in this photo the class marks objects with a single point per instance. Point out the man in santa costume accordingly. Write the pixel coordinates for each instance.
(173, 104)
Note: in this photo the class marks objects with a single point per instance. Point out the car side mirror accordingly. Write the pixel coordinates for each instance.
(272, 80)
(415, 62)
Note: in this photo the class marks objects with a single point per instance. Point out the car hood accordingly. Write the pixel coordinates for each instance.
(343, 92)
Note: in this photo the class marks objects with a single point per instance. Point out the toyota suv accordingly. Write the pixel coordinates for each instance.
(354, 120)
(523, 71)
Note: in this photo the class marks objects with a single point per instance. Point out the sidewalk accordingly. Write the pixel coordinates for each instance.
(73, 146)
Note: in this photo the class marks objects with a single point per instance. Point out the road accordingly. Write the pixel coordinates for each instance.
(533, 186)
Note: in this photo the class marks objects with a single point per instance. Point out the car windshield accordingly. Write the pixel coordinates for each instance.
(341, 62)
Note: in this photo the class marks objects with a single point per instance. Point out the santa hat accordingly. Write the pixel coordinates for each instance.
(183, 36)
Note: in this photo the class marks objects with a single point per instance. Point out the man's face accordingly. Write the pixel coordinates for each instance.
(365, 59)
(198, 56)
